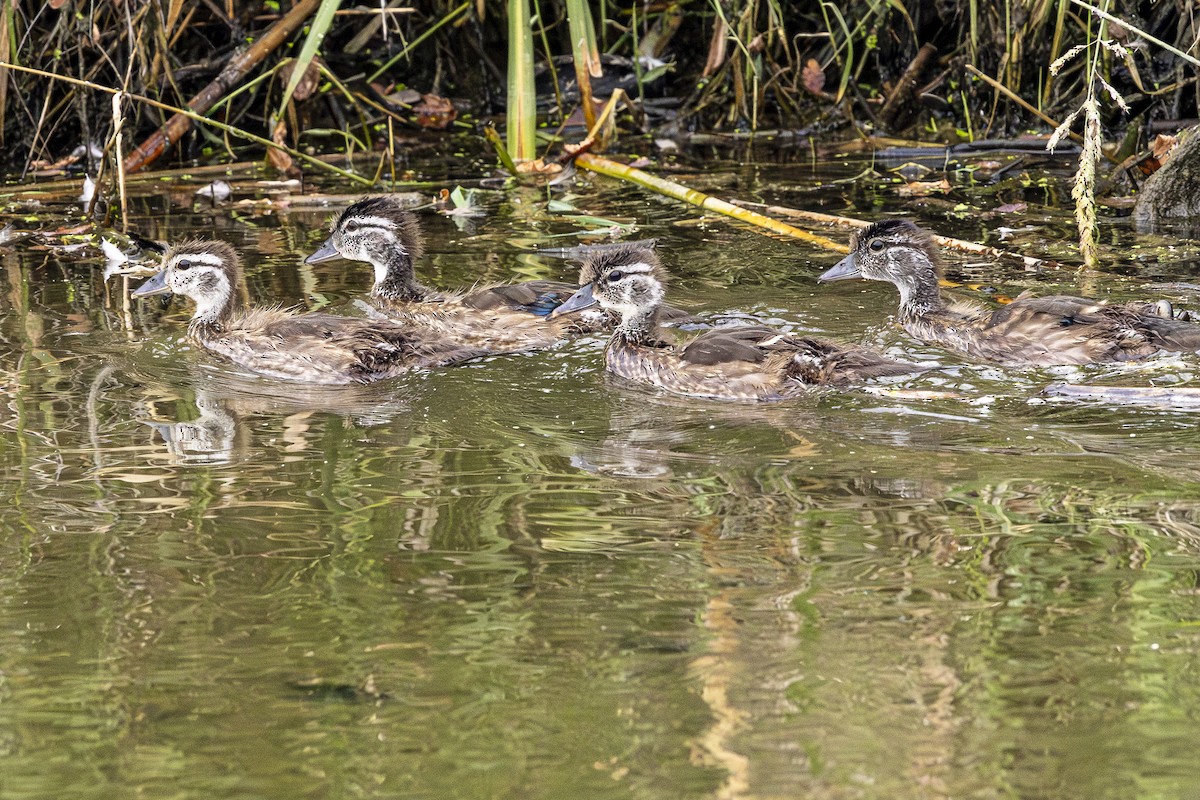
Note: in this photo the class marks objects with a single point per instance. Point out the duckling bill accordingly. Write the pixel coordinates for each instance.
(313, 348)
(747, 363)
(1030, 331)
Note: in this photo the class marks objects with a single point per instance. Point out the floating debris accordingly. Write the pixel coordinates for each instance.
(216, 191)
(89, 191)
(460, 203)
(1180, 397)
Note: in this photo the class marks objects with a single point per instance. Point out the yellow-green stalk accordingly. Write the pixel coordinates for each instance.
(522, 102)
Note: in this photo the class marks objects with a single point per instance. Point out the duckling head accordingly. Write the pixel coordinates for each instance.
(379, 231)
(630, 281)
(895, 251)
(207, 272)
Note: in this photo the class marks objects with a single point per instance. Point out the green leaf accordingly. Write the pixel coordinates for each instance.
(322, 20)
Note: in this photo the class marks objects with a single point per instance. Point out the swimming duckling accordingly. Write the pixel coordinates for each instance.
(505, 318)
(1033, 331)
(314, 348)
(748, 363)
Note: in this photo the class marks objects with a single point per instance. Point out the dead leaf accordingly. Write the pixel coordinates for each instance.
(538, 166)
(1163, 145)
(924, 188)
(814, 77)
(434, 112)
(1161, 150)
(279, 159)
(308, 82)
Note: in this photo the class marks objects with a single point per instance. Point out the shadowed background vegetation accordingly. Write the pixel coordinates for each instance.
(702, 65)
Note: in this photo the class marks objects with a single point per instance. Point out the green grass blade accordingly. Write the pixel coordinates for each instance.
(321, 22)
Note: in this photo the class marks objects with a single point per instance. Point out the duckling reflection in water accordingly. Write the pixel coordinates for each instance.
(313, 348)
(211, 438)
(226, 402)
(502, 319)
(1030, 331)
(750, 363)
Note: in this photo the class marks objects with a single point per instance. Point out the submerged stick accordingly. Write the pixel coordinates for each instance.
(677, 191)
(158, 142)
(1030, 262)
(1177, 397)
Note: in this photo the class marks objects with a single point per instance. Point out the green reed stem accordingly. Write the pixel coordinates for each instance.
(522, 101)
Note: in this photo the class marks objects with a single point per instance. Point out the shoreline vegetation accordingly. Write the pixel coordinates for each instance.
(117, 88)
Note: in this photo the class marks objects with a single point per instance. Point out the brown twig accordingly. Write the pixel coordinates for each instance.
(903, 91)
(173, 130)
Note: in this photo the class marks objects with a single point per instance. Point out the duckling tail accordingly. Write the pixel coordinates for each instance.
(824, 363)
(1172, 334)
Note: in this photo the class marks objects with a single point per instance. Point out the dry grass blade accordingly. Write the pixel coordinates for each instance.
(192, 115)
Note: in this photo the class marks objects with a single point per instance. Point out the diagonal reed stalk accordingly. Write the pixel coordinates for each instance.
(312, 44)
(678, 191)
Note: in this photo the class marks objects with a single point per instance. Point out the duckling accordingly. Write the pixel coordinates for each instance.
(314, 348)
(1030, 331)
(747, 363)
(509, 318)
(505, 318)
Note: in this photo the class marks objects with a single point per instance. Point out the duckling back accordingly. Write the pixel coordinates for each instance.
(1061, 329)
(749, 363)
(327, 349)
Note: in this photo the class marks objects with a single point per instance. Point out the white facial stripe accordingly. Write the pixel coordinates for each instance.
(375, 222)
(210, 259)
(640, 267)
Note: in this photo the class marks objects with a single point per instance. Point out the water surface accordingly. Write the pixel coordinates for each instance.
(523, 578)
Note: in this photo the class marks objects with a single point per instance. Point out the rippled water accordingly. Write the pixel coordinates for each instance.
(522, 578)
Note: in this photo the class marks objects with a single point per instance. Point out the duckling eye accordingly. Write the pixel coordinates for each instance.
(351, 227)
(183, 264)
(615, 275)
(876, 245)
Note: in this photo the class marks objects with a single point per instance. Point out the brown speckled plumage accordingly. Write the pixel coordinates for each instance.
(502, 318)
(313, 348)
(746, 363)
(1036, 331)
